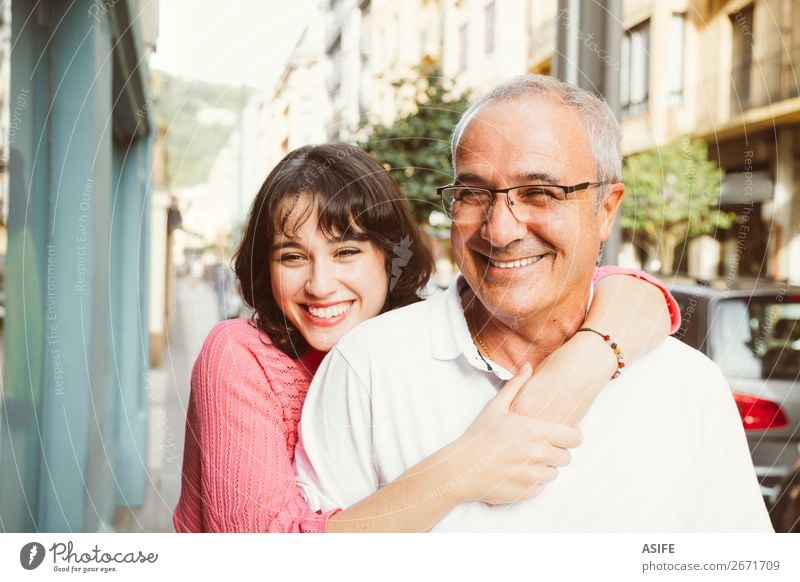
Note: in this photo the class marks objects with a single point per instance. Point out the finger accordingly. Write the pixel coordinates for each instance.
(550, 474)
(533, 491)
(539, 476)
(557, 457)
(561, 435)
(507, 394)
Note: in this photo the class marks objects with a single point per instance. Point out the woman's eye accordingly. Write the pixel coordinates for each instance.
(344, 253)
(291, 258)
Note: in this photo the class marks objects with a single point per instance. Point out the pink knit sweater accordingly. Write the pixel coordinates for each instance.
(241, 431)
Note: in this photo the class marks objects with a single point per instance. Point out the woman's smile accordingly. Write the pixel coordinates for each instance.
(328, 315)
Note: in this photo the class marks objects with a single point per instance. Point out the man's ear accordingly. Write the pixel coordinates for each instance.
(608, 208)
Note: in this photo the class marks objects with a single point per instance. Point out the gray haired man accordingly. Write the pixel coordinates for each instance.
(536, 188)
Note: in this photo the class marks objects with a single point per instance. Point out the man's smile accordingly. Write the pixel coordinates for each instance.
(510, 262)
(516, 263)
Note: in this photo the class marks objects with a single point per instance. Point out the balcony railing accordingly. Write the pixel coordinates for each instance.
(767, 80)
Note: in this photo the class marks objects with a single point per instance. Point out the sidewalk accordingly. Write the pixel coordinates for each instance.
(168, 394)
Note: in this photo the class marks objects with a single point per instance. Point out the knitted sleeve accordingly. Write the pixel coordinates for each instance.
(247, 480)
(672, 305)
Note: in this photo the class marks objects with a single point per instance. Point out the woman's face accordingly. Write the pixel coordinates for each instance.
(325, 287)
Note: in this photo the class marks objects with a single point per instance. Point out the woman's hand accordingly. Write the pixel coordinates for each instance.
(505, 457)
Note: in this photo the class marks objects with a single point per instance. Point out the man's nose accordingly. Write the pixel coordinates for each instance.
(322, 279)
(500, 227)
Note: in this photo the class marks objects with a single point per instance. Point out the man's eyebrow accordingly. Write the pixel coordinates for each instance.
(535, 177)
(522, 179)
(468, 177)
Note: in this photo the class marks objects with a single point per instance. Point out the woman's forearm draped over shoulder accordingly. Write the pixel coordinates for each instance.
(633, 306)
(635, 309)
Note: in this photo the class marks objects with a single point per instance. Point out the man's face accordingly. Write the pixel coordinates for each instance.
(526, 271)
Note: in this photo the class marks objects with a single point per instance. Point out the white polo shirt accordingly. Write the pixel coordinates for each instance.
(664, 448)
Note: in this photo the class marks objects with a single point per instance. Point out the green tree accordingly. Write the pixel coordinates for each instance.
(416, 147)
(672, 194)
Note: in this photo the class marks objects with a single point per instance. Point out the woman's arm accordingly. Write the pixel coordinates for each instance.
(237, 473)
(502, 457)
(635, 310)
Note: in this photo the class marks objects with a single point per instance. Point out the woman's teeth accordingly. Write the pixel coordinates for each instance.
(329, 312)
(513, 264)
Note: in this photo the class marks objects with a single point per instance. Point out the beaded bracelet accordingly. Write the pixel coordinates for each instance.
(614, 346)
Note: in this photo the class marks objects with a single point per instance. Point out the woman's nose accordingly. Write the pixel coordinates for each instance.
(322, 279)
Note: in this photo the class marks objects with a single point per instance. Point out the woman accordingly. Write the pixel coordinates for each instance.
(330, 243)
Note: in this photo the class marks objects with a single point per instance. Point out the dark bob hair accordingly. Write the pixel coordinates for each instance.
(350, 191)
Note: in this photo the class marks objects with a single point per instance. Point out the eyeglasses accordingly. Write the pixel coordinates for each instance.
(529, 203)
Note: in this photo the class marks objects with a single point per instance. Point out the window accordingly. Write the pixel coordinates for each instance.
(675, 66)
(757, 337)
(635, 69)
(462, 47)
(742, 26)
(489, 27)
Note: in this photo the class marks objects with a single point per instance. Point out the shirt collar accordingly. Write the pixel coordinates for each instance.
(450, 333)
(451, 336)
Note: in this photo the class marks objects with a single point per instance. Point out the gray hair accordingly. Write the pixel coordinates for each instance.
(605, 134)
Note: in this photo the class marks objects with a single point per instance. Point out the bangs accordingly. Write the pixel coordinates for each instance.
(343, 217)
(350, 194)
(335, 216)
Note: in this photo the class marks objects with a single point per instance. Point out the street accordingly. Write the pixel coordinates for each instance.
(168, 394)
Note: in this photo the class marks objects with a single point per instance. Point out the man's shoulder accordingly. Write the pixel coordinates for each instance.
(681, 366)
(673, 348)
(391, 329)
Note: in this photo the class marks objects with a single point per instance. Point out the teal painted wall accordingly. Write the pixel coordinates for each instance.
(74, 411)
(26, 340)
(130, 324)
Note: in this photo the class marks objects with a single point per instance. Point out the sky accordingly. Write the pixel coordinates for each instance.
(229, 41)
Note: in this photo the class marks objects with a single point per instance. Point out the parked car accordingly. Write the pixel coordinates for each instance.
(751, 329)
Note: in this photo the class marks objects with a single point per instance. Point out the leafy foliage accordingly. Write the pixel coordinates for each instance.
(672, 193)
(192, 146)
(416, 148)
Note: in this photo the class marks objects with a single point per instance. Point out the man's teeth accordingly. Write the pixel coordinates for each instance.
(329, 312)
(513, 264)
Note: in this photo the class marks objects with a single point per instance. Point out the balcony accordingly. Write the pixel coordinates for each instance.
(761, 92)
(765, 81)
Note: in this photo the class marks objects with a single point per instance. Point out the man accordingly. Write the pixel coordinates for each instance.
(663, 444)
